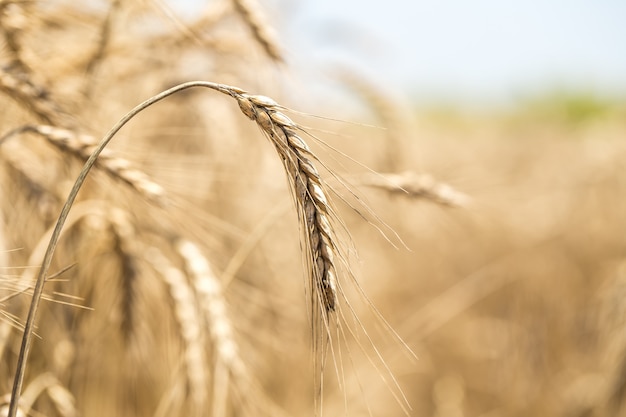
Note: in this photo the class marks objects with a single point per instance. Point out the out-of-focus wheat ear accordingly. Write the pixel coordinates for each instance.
(47, 383)
(126, 250)
(189, 319)
(13, 20)
(413, 185)
(25, 168)
(313, 205)
(82, 145)
(63, 400)
(99, 54)
(611, 322)
(211, 298)
(388, 110)
(264, 34)
(34, 98)
(4, 407)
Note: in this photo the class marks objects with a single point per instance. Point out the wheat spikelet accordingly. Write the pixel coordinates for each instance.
(99, 54)
(32, 179)
(310, 196)
(209, 290)
(263, 33)
(63, 400)
(47, 383)
(12, 23)
(126, 250)
(186, 312)
(82, 145)
(417, 186)
(32, 97)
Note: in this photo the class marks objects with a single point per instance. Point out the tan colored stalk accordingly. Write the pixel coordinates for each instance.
(252, 14)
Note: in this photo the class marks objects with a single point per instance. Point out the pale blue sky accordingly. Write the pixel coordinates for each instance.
(462, 50)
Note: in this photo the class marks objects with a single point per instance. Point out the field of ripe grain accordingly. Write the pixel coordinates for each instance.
(228, 255)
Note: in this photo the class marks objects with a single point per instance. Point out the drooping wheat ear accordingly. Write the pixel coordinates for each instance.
(187, 314)
(82, 145)
(34, 98)
(310, 195)
(264, 34)
(414, 185)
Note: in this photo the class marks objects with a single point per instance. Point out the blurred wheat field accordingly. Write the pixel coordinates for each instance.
(494, 247)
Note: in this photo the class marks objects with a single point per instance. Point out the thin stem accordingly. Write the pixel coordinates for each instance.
(18, 380)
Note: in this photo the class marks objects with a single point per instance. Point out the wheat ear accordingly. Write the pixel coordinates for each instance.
(12, 22)
(82, 145)
(125, 248)
(263, 33)
(417, 186)
(35, 98)
(310, 195)
(186, 312)
(47, 383)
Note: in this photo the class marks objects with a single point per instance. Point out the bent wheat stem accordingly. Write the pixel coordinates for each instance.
(314, 208)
